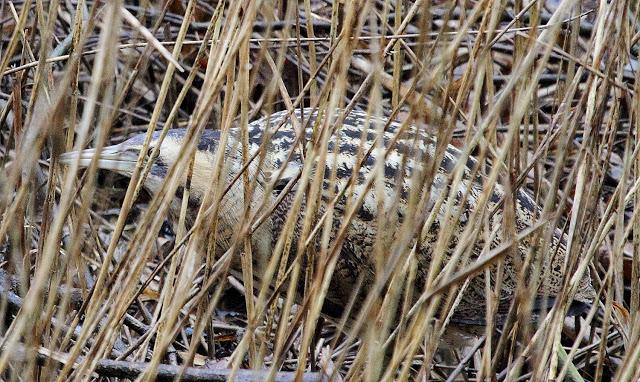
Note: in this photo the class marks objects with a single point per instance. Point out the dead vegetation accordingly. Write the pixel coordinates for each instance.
(95, 282)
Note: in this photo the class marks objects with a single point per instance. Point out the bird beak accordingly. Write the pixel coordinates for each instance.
(115, 158)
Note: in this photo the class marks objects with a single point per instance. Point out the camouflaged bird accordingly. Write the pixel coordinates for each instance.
(349, 147)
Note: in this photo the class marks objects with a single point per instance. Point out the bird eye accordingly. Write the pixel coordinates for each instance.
(149, 152)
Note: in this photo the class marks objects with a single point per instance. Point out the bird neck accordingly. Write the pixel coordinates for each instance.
(245, 198)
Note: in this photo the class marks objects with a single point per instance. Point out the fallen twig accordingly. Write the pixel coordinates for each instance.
(164, 372)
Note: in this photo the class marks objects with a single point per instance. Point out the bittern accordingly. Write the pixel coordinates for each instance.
(379, 169)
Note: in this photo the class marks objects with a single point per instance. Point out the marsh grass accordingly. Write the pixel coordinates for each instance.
(95, 283)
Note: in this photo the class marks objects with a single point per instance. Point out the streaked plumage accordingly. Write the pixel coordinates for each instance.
(350, 142)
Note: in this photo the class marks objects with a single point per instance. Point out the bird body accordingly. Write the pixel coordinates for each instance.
(375, 167)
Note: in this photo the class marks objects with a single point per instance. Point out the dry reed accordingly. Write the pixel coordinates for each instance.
(96, 285)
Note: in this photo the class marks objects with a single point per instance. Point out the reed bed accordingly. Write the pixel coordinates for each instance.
(96, 284)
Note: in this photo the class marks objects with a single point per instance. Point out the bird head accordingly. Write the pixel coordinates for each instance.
(122, 158)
